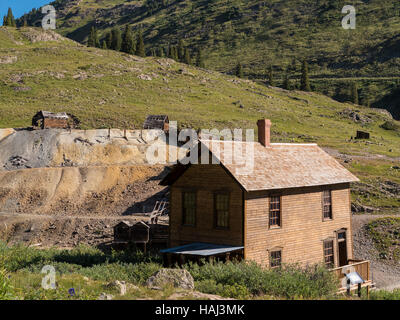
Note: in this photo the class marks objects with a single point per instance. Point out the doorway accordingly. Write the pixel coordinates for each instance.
(342, 248)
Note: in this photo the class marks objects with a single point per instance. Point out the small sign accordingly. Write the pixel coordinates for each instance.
(354, 278)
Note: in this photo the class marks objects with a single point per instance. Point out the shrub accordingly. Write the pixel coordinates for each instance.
(290, 282)
(5, 287)
(390, 125)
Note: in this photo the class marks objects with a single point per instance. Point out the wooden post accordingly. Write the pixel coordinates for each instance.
(359, 290)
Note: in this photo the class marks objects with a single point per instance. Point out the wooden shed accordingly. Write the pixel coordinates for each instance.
(122, 231)
(156, 122)
(49, 120)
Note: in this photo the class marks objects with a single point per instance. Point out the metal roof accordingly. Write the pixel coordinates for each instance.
(60, 115)
(201, 249)
(279, 166)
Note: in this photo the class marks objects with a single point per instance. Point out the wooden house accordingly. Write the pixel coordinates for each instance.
(156, 122)
(294, 206)
(49, 120)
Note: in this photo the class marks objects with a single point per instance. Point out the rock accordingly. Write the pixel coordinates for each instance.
(357, 208)
(85, 279)
(120, 286)
(8, 59)
(145, 77)
(396, 167)
(105, 296)
(179, 278)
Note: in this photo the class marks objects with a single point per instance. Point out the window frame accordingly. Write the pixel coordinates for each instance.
(183, 208)
(275, 226)
(273, 260)
(330, 255)
(216, 194)
(326, 204)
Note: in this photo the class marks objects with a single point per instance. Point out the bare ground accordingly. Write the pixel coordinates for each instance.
(385, 274)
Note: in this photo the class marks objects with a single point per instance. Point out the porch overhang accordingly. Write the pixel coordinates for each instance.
(202, 249)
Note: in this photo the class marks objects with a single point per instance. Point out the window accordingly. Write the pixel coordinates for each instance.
(327, 204)
(221, 210)
(328, 253)
(275, 259)
(189, 208)
(275, 211)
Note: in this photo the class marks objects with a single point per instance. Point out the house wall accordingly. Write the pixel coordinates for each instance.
(205, 180)
(302, 231)
(55, 123)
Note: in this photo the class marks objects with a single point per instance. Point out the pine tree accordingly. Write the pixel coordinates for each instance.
(109, 40)
(116, 39)
(25, 23)
(199, 60)
(270, 76)
(181, 50)
(9, 20)
(91, 40)
(128, 43)
(160, 52)
(104, 46)
(354, 92)
(140, 51)
(187, 59)
(305, 81)
(287, 85)
(239, 70)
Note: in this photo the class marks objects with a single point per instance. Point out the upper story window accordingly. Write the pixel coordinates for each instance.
(275, 211)
(275, 259)
(327, 204)
(328, 253)
(189, 208)
(221, 202)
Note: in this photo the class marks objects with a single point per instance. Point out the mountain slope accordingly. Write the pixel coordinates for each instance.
(259, 33)
(104, 88)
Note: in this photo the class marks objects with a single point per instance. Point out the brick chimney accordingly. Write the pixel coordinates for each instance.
(264, 132)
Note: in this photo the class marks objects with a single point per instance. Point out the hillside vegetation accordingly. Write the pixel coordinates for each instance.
(104, 88)
(260, 34)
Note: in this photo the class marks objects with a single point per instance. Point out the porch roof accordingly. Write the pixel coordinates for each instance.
(201, 249)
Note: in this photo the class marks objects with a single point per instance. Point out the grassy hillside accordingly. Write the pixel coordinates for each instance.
(260, 33)
(104, 88)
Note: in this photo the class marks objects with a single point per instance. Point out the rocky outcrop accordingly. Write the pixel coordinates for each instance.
(178, 278)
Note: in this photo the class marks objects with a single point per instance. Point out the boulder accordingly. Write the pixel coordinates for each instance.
(179, 278)
(105, 296)
(119, 286)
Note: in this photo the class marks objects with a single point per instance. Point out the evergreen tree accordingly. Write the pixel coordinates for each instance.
(239, 70)
(160, 52)
(93, 40)
(286, 83)
(25, 24)
(109, 40)
(9, 20)
(199, 60)
(128, 43)
(354, 93)
(270, 76)
(174, 53)
(116, 40)
(181, 50)
(104, 46)
(140, 51)
(305, 81)
(187, 59)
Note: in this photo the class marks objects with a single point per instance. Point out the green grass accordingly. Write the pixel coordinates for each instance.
(103, 89)
(259, 34)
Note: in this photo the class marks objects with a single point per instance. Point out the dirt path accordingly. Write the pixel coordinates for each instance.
(386, 275)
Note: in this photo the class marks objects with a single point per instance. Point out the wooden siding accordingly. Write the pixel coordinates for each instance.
(49, 123)
(206, 180)
(302, 229)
